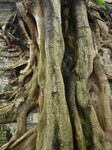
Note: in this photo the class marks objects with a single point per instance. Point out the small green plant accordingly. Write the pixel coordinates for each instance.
(101, 3)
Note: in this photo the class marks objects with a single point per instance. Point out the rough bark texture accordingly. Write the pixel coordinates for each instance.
(64, 77)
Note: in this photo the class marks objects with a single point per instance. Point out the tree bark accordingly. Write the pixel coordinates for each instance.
(64, 78)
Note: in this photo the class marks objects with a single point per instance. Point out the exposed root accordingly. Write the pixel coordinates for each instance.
(5, 38)
(15, 93)
(32, 40)
(9, 111)
(8, 56)
(22, 77)
(20, 63)
(22, 25)
(40, 81)
(5, 95)
(15, 81)
(104, 109)
(21, 130)
(24, 137)
(29, 143)
(101, 29)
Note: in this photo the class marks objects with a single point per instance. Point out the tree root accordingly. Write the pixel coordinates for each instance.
(5, 38)
(15, 81)
(16, 141)
(20, 133)
(103, 36)
(104, 109)
(29, 143)
(8, 113)
(22, 77)
(33, 60)
(8, 56)
(5, 95)
(14, 66)
(24, 137)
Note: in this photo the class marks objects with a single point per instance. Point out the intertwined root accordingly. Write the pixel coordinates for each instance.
(42, 80)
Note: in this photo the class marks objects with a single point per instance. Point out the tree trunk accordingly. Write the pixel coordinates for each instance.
(67, 80)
